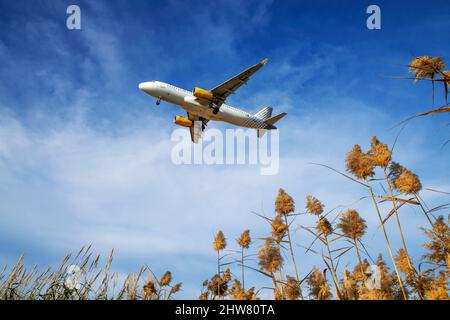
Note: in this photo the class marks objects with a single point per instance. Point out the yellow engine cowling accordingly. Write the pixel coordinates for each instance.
(203, 94)
(182, 121)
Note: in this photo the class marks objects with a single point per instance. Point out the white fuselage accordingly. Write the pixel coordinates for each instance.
(200, 107)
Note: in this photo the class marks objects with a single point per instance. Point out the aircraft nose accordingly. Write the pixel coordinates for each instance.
(146, 86)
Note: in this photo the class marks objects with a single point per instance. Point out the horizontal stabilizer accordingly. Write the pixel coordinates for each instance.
(273, 120)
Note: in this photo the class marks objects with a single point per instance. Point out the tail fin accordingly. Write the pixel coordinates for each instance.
(264, 113)
(275, 119)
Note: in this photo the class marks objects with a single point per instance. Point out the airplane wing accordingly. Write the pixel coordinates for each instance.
(197, 129)
(227, 88)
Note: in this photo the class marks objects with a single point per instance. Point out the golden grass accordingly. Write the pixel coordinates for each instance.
(430, 69)
(81, 277)
(426, 66)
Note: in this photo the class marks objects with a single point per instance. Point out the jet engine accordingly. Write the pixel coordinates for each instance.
(182, 121)
(202, 94)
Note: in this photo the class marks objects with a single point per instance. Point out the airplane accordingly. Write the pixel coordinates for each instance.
(204, 105)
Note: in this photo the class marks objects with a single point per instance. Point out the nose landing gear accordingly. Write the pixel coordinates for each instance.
(158, 101)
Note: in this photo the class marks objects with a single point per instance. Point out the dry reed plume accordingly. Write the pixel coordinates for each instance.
(427, 68)
(366, 281)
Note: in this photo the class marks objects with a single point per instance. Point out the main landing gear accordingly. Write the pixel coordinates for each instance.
(216, 109)
(158, 101)
(203, 124)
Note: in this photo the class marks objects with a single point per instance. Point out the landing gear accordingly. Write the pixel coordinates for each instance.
(158, 101)
(203, 124)
(215, 108)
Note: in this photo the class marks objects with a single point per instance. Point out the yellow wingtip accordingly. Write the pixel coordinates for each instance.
(264, 61)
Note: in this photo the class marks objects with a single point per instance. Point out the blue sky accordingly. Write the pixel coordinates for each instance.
(85, 155)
